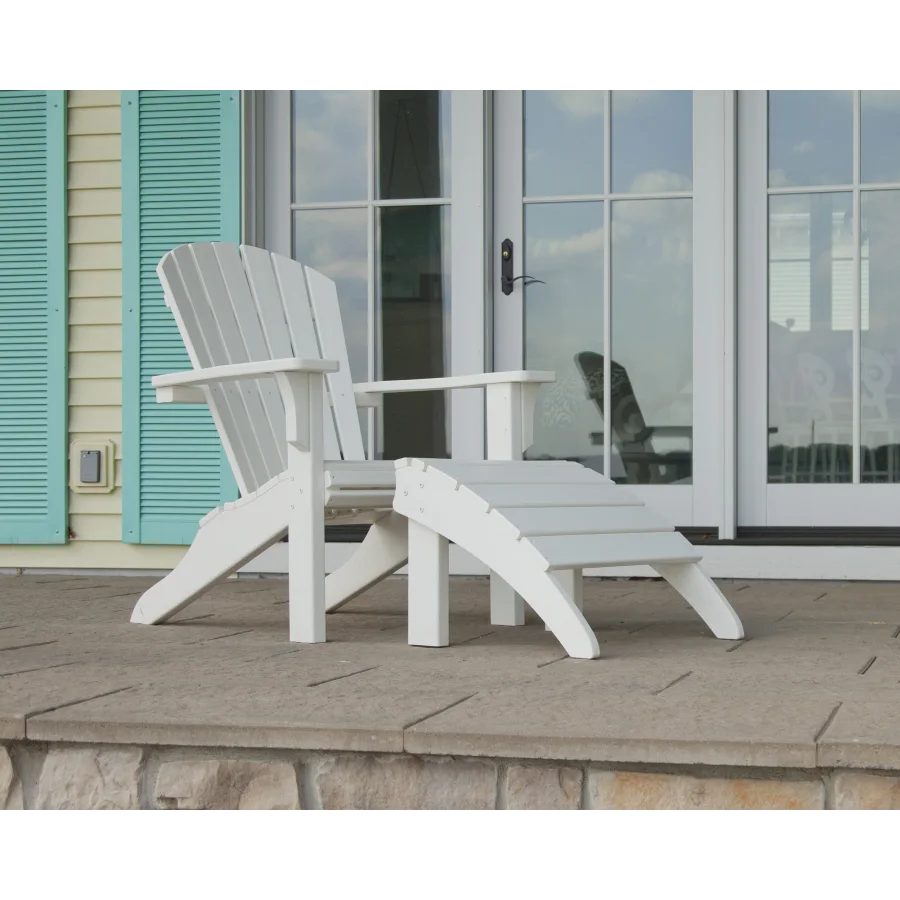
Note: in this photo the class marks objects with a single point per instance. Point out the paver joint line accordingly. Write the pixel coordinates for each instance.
(868, 666)
(679, 679)
(339, 677)
(26, 646)
(50, 709)
(821, 732)
(735, 646)
(38, 669)
(543, 665)
(437, 712)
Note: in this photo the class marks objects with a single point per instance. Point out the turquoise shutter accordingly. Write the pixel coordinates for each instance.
(33, 260)
(180, 183)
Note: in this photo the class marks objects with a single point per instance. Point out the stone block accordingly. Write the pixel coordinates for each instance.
(858, 791)
(10, 787)
(227, 784)
(374, 782)
(645, 790)
(90, 778)
(543, 787)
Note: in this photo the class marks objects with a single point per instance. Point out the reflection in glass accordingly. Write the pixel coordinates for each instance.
(810, 138)
(880, 350)
(415, 305)
(652, 141)
(413, 144)
(564, 317)
(880, 136)
(563, 142)
(810, 338)
(652, 341)
(330, 132)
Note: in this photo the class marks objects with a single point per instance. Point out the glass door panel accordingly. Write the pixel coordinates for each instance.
(595, 191)
(820, 217)
(368, 176)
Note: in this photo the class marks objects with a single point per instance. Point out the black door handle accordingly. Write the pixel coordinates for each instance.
(506, 269)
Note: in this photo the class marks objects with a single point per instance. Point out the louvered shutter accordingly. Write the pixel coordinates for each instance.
(33, 421)
(180, 183)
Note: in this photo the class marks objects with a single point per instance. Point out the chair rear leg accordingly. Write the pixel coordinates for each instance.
(382, 552)
(507, 607)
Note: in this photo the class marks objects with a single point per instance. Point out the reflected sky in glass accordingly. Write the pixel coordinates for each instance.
(330, 133)
(563, 143)
(652, 297)
(880, 136)
(564, 248)
(810, 138)
(652, 141)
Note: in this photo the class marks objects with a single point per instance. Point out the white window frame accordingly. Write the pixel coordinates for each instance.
(710, 501)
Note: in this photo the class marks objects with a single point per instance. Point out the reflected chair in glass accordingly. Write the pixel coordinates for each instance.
(631, 435)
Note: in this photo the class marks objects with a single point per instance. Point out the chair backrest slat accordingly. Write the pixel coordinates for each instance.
(203, 349)
(288, 281)
(247, 321)
(260, 440)
(244, 305)
(324, 299)
(270, 306)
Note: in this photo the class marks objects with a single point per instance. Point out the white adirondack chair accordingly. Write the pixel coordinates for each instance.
(265, 338)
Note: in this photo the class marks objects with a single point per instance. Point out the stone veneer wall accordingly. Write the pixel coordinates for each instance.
(86, 776)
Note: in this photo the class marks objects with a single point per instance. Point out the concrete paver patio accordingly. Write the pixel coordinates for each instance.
(814, 683)
(218, 709)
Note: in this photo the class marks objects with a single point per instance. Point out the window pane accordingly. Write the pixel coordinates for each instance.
(880, 371)
(810, 137)
(333, 241)
(652, 341)
(564, 320)
(329, 148)
(413, 144)
(563, 142)
(415, 326)
(652, 141)
(810, 338)
(880, 136)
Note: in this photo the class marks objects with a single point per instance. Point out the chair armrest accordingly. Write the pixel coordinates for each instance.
(454, 382)
(510, 403)
(180, 395)
(237, 371)
(195, 395)
(684, 431)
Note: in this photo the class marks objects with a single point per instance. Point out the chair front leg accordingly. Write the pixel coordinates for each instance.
(510, 416)
(303, 396)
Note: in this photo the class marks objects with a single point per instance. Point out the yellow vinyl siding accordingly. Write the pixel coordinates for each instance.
(95, 299)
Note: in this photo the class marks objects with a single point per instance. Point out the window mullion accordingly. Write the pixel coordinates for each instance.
(857, 292)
